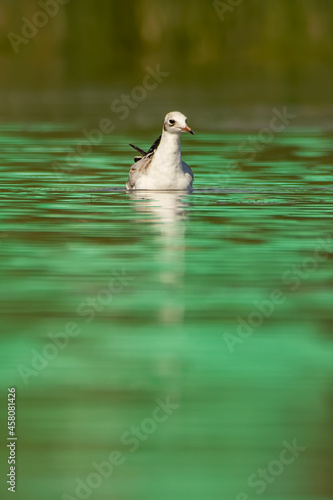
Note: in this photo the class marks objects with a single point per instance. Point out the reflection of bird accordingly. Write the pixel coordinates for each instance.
(166, 209)
(162, 166)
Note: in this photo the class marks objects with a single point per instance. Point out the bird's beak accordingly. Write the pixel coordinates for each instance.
(187, 129)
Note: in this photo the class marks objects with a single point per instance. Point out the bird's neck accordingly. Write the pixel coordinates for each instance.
(169, 147)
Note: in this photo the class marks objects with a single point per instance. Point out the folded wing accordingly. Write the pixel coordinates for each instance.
(142, 163)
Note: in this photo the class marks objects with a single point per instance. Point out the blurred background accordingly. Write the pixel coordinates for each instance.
(258, 51)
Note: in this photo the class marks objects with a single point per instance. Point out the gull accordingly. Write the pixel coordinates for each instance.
(161, 167)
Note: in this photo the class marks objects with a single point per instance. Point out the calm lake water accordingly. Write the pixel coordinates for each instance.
(164, 345)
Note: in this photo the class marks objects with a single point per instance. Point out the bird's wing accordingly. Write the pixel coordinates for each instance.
(139, 168)
(143, 153)
(153, 148)
(141, 164)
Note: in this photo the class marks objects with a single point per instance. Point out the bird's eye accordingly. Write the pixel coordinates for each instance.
(171, 122)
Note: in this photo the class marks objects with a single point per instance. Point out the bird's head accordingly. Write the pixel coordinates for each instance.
(175, 123)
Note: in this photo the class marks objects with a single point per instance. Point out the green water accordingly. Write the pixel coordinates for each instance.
(219, 302)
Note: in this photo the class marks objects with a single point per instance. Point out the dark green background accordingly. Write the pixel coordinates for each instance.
(265, 49)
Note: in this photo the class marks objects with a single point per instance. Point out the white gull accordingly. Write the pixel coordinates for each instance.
(162, 168)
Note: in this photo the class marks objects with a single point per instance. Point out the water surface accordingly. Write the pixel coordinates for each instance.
(219, 301)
